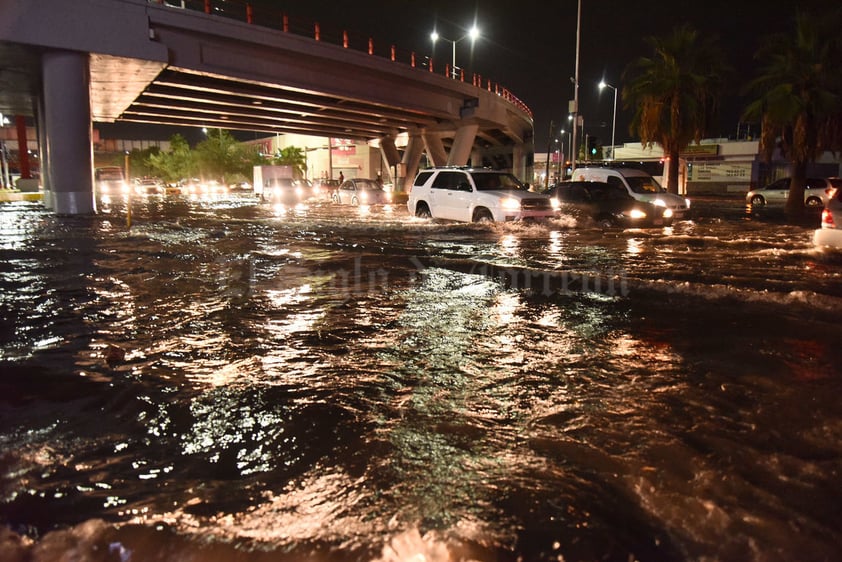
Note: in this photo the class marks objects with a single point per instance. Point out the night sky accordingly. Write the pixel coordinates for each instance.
(529, 46)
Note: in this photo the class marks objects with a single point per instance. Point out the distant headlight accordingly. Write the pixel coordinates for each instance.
(659, 203)
(555, 203)
(510, 204)
(637, 214)
(667, 213)
(299, 191)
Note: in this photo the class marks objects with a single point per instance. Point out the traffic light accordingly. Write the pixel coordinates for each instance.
(594, 149)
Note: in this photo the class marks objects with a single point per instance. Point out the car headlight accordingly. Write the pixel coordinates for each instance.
(510, 204)
(637, 214)
(659, 203)
(667, 213)
(555, 204)
(299, 192)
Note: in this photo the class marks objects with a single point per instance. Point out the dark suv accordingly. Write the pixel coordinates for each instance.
(608, 205)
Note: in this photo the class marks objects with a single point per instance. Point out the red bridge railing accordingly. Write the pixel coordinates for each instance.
(245, 11)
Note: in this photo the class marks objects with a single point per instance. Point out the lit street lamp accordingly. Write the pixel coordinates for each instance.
(602, 85)
(473, 34)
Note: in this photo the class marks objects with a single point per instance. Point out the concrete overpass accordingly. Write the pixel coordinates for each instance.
(69, 64)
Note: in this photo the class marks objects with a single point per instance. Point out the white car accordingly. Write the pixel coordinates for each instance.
(830, 234)
(360, 191)
(639, 185)
(476, 195)
(816, 190)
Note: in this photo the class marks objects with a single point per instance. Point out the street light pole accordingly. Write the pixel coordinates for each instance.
(473, 34)
(574, 109)
(602, 85)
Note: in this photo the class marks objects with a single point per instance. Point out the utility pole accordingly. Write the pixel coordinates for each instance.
(575, 105)
(549, 146)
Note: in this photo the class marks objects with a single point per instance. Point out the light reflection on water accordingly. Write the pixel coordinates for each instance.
(333, 382)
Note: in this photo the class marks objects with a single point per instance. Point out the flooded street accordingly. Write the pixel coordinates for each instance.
(230, 381)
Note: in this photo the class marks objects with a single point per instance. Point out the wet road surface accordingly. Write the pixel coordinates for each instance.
(227, 380)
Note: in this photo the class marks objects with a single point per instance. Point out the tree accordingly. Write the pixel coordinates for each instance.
(222, 157)
(292, 156)
(139, 161)
(799, 98)
(675, 92)
(178, 163)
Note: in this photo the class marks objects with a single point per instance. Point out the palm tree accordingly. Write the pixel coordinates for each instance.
(674, 93)
(292, 156)
(799, 97)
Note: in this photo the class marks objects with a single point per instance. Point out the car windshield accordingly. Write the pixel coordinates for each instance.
(109, 175)
(644, 184)
(486, 181)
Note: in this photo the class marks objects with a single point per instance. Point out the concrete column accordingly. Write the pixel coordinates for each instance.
(390, 151)
(411, 159)
(389, 154)
(463, 144)
(435, 149)
(69, 133)
(44, 154)
(519, 163)
(23, 148)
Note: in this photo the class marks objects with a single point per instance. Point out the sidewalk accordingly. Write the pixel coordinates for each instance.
(9, 195)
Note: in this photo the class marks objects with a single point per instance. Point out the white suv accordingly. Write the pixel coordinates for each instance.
(476, 195)
(639, 185)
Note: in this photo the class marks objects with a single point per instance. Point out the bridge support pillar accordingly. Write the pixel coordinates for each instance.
(411, 159)
(68, 131)
(435, 149)
(519, 162)
(389, 153)
(43, 150)
(463, 144)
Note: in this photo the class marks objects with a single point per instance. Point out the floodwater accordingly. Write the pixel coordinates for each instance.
(226, 380)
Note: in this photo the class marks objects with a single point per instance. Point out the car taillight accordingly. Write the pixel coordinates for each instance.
(827, 219)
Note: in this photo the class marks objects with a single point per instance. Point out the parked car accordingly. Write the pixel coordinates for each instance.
(608, 205)
(109, 180)
(475, 195)
(287, 190)
(325, 189)
(830, 233)
(148, 186)
(361, 191)
(816, 191)
(639, 185)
